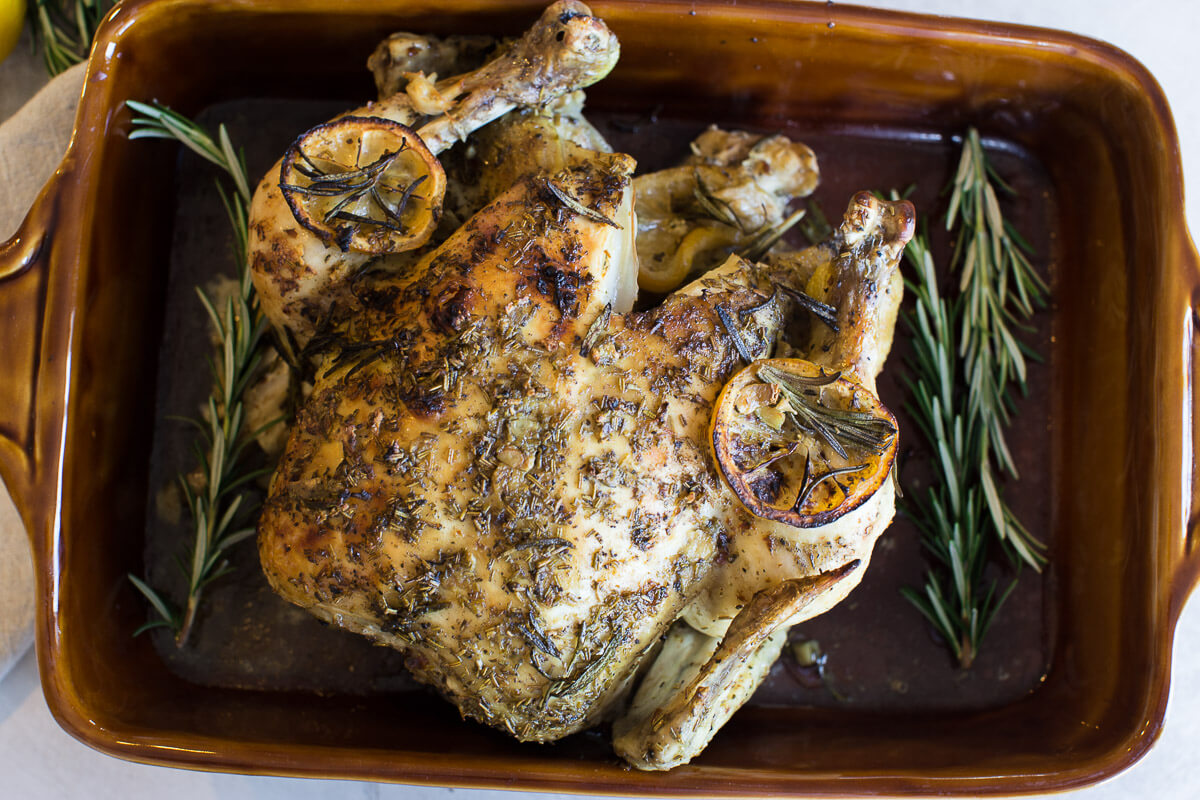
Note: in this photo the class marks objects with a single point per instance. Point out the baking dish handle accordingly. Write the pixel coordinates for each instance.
(1186, 572)
(24, 280)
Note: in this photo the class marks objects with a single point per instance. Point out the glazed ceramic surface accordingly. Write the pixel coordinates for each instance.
(82, 315)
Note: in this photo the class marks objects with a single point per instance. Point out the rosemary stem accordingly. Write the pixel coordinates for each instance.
(189, 617)
(966, 651)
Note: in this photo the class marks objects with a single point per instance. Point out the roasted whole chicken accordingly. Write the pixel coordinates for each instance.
(507, 473)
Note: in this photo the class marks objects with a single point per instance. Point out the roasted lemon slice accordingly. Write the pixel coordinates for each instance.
(364, 183)
(800, 444)
(672, 261)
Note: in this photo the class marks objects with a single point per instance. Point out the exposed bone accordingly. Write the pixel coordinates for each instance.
(567, 49)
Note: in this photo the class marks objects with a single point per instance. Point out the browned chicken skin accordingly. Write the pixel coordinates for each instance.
(504, 472)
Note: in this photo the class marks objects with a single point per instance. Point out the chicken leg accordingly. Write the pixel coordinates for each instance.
(775, 575)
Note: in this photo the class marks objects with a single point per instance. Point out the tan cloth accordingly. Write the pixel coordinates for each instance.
(32, 142)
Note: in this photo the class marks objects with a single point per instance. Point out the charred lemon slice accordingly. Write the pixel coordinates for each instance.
(800, 444)
(364, 183)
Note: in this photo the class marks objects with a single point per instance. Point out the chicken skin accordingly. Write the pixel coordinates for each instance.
(505, 471)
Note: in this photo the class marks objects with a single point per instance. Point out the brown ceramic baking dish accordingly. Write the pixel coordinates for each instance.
(82, 315)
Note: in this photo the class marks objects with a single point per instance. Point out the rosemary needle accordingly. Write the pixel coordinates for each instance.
(218, 510)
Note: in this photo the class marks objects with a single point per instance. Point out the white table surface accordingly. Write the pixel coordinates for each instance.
(38, 760)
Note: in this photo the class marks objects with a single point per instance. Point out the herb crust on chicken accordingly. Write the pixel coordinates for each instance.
(505, 471)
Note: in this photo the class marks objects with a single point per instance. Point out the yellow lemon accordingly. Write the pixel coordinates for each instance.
(12, 18)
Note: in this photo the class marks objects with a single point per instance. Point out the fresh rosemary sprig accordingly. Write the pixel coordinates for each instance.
(159, 122)
(999, 291)
(964, 364)
(218, 506)
(63, 29)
